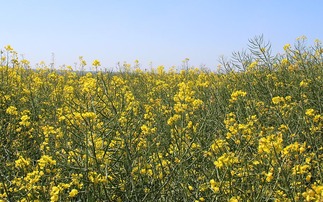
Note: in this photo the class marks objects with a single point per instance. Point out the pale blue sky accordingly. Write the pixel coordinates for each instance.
(163, 32)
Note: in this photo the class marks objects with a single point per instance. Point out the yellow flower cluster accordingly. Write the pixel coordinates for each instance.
(227, 159)
(163, 135)
(236, 94)
(12, 110)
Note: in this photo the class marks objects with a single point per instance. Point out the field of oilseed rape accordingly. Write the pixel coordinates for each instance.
(252, 132)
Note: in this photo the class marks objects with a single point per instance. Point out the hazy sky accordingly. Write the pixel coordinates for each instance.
(163, 32)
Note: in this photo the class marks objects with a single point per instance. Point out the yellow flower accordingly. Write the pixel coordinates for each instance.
(54, 198)
(276, 100)
(160, 70)
(8, 48)
(54, 194)
(197, 103)
(22, 162)
(253, 65)
(73, 193)
(315, 193)
(214, 186)
(82, 61)
(271, 144)
(234, 199)
(287, 47)
(219, 145)
(300, 169)
(89, 115)
(310, 112)
(303, 84)
(227, 159)
(96, 63)
(12, 110)
(46, 160)
(263, 49)
(269, 176)
(236, 94)
(89, 84)
(285, 62)
(25, 121)
(173, 119)
(150, 172)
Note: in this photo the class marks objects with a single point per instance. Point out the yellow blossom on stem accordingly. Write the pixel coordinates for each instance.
(12, 110)
(236, 94)
(287, 47)
(73, 193)
(25, 121)
(8, 48)
(96, 63)
(310, 112)
(276, 100)
(227, 159)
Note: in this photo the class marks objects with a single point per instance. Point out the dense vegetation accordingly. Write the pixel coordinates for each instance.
(250, 133)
